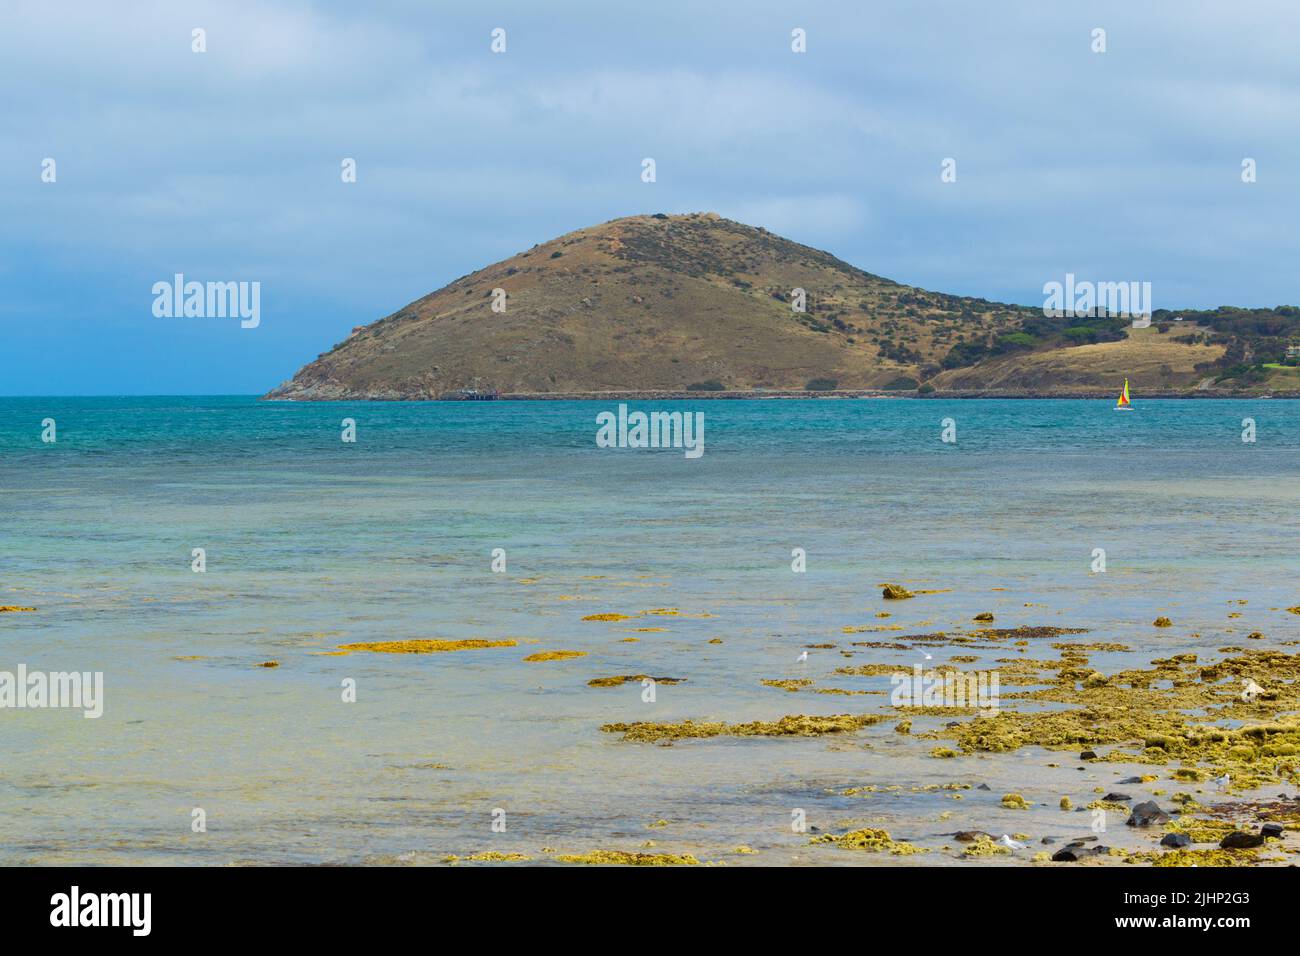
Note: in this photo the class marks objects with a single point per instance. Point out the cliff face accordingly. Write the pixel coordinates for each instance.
(655, 304)
(650, 303)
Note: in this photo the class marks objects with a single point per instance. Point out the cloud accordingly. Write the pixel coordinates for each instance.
(227, 162)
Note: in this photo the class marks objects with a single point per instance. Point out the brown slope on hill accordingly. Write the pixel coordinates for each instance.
(651, 303)
(1151, 361)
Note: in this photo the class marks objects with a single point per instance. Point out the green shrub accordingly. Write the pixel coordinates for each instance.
(1016, 340)
(821, 385)
(712, 385)
(900, 383)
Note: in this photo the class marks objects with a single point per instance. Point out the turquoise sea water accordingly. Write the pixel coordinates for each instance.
(312, 543)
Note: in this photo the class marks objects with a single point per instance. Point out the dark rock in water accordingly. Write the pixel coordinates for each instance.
(1241, 841)
(1117, 797)
(983, 786)
(1075, 852)
(1146, 814)
(1088, 755)
(1176, 840)
(1131, 780)
(1271, 830)
(1048, 840)
(1079, 841)
(970, 836)
(814, 829)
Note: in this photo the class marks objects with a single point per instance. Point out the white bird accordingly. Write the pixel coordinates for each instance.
(803, 657)
(927, 656)
(1012, 844)
(1222, 781)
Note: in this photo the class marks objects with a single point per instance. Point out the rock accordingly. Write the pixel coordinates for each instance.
(1162, 621)
(1048, 840)
(983, 786)
(1241, 841)
(984, 617)
(1117, 797)
(1176, 841)
(1271, 830)
(1088, 755)
(892, 592)
(970, 836)
(1075, 852)
(1131, 780)
(1146, 814)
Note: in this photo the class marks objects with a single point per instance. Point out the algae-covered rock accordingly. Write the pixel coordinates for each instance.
(869, 840)
(1198, 858)
(1014, 801)
(620, 679)
(1240, 840)
(1075, 852)
(795, 725)
(1162, 621)
(268, 664)
(487, 856)
(1146, 814)
(984, 845)
(608, 617)
(1112, 806)
(985, 617)
(13, 608)
(554, 656)
(1066, 804)
(893, 592)
(791, 685)
(621, 858)
(424, 646)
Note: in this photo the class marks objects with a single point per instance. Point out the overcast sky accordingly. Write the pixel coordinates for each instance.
(225, 165)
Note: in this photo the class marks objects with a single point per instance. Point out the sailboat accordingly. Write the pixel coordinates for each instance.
(1124, 405)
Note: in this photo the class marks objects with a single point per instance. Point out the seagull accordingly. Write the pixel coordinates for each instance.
(1012, 844)
(803, 657)
(1222, 781)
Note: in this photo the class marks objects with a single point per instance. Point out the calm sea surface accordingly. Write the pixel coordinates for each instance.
(312, 543)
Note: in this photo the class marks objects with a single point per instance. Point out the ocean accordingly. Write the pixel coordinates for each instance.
(311, 542)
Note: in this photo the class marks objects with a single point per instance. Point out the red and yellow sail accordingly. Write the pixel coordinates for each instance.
(1123, 397)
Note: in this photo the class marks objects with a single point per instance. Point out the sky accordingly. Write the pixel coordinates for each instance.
(225, 165)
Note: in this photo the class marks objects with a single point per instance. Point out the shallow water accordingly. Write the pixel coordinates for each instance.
(312, 543)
